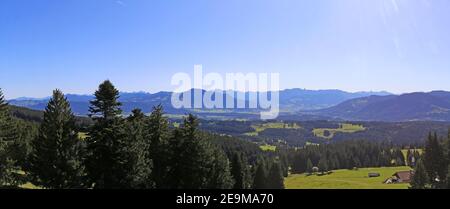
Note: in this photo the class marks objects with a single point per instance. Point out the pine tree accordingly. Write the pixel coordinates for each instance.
(309, 166)
(107, 164)
(399, 157)
(220, 176)
(139, 162)
(434, 161)
(240, 172)
(193, 162)
(275, 178)
(284, 164)
(323, 165)
(56, 161)
(158, 140)
(8, 134)
(420, 178)
(409, 158)
(259, 181)
(448, 177)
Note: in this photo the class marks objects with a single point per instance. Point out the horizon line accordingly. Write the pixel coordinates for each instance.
(285, 89)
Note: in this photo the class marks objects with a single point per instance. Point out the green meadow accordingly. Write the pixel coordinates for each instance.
(267, 147)
(278, 125)
(347, 179)
(344, 128)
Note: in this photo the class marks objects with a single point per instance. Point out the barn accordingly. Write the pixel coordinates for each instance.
(400, 177)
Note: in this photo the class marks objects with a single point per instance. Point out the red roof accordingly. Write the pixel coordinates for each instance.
(404, 176)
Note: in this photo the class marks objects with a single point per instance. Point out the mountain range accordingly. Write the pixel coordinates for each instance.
(295, 104)
(291, 101)
(419, 106)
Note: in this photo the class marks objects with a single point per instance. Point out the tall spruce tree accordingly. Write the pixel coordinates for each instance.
(139, 163)
(275, 178)
(193, 161)
(157, 137)
(323, 165)
(259, 181)
(309, 166)
(56, 159)
(420, 178)
(8, 134)
(240, 172)
(409, 157)
(434, 161)
(107, 163)
(220, 175)
(448, 177)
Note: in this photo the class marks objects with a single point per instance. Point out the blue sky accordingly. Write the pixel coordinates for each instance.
(354, 45)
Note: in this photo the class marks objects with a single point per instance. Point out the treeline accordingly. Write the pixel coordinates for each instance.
(432, 170)
(37, 116)
(138, 152)
(398, 133)
(345, 155)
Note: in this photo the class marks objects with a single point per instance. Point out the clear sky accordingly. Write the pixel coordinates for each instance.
(354, 45)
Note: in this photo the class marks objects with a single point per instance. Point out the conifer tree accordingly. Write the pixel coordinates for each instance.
(259, 181)
(309, 166)
(220, 175)
(420, 178)
(56, 161)
(139, 163)
(284, 164)
(240, 172)
(194, 163)
(409, 157)
(448, 177)
(434, 161)
(107, 164)
(323, 165)
(158, 139)
(275, 178)
(8, 135)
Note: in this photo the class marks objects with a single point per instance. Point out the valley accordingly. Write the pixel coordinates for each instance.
(312, 149)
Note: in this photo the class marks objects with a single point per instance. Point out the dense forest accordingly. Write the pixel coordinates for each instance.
(398, 133)
(432, 170)
(137, 151)
(346, 155)
(55, 149)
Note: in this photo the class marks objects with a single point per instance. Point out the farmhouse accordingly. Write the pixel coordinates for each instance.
(400, 177)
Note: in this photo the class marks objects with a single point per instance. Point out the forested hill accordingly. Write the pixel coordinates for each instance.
(37, 115)
(432, 106)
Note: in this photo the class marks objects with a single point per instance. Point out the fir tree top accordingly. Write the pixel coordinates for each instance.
(105, 104)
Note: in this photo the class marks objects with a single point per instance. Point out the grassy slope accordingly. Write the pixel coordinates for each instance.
(278, 125)
(268, 148)
(345, 128)
(346, 179)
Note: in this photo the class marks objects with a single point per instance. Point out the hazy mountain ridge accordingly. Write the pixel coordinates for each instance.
(291, 100)
(418, 106)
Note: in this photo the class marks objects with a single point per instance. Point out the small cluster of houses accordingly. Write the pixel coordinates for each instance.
(396, 178)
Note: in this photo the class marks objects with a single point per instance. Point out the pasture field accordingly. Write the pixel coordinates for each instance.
(278, 125)
(344, 128)
(268, 148)
(82, 135)
(347, 179)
